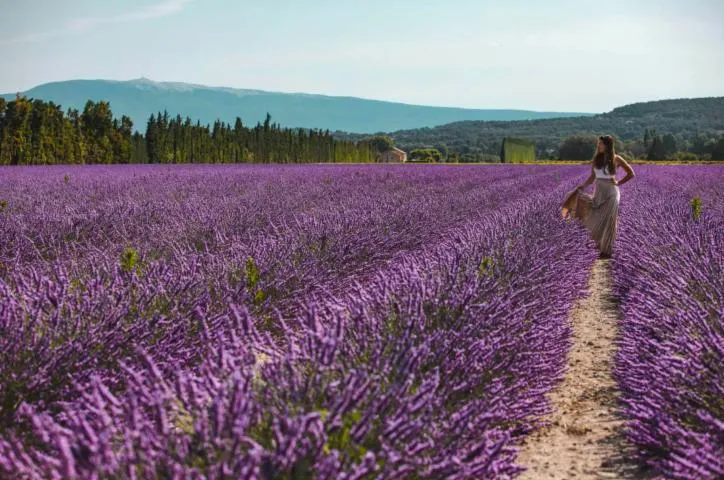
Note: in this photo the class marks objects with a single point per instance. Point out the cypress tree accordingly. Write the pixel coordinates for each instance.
(657, 151)
(152, 140)
(669, 145)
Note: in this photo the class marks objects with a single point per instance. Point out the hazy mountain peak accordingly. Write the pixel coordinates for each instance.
(142, 80)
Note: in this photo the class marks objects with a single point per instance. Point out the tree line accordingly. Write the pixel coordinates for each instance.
(653, 146)
(35, 132)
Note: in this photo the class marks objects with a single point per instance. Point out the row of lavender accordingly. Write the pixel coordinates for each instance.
(669, 275)
(265, 322)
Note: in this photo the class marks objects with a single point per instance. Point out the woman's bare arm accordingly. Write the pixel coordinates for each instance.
(627, 168)
(591, 178)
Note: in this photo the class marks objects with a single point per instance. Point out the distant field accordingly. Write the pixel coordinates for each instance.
(376, 321)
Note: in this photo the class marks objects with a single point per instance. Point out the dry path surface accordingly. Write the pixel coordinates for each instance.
(585, 438)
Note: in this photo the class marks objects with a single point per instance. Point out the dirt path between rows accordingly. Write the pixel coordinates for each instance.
(585, 438)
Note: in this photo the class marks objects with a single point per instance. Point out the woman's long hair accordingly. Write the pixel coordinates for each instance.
(604, 160)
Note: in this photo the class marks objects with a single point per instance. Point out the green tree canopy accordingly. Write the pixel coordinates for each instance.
(380, 143)
(657, 150)
(669, 145)
(718, 151)
(428, 155)
(578, 147)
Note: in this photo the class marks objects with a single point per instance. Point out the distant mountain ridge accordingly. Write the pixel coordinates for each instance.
(141, 97)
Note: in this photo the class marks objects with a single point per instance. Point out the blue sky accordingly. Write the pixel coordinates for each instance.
(565, 55)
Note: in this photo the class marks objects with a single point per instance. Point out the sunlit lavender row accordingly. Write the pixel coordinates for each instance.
(281, 322)
(669, 275)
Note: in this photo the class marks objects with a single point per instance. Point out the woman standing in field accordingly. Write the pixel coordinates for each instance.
(599, 212)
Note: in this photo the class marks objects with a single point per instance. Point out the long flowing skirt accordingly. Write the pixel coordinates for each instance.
(598, 212)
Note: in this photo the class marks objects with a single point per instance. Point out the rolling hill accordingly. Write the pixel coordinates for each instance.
(686, 119)
(139, 98)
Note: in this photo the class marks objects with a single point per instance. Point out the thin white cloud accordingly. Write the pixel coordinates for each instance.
(163, 9)
(158, 10)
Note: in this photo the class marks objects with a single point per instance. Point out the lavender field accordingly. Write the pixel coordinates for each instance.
(669, 275)
(341, 322)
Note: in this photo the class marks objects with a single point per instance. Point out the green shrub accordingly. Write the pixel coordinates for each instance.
(695, 208)
(486, 266)
(129, 259)
(252, 273)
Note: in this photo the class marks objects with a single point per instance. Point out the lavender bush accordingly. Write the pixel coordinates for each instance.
(669, 273)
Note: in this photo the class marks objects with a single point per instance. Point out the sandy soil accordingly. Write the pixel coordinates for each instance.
(585, 437)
